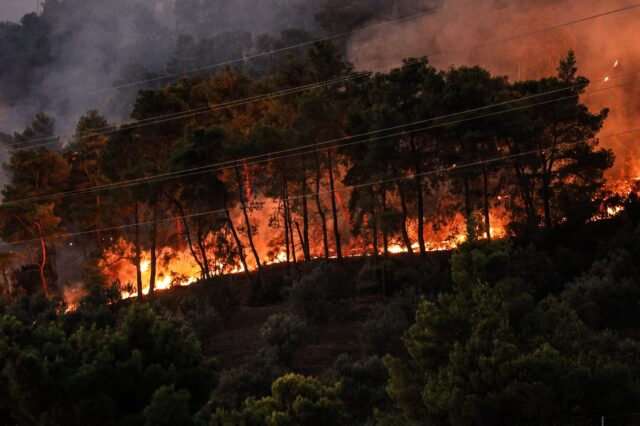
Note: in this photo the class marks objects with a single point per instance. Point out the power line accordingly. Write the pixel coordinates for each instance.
(314, 194)
(257, 159)
(480, 46)
(112, 129)
(558, 26)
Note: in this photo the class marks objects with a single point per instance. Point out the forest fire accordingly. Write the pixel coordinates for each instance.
(305, 212)
(177, 267)
(298, 208)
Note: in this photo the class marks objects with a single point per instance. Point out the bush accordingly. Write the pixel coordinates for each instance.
(168, 407)
(203, 295)
(285, 334)
(494, 355)
(369, 277)
(317, 296)
(36, 309)
(609, 295)
(99, 376)
(201, 316)
(382, 332)
(428, 275)
(294, 400)
(251, 379)
(267, 290)
(98, 307)
(363, 385)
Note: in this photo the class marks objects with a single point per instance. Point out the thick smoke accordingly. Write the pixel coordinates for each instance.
(13, 10)
(56, 62)
(60, 60)
(448, 38)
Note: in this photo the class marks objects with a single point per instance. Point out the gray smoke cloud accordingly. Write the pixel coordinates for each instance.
(448, 38)
(90, 45)
(13, 10)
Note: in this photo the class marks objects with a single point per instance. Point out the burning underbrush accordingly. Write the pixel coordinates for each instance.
(177, 266)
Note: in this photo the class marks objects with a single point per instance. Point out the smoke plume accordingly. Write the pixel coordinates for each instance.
(462, 32)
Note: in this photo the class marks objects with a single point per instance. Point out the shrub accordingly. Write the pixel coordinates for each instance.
(317, 296)
(268, 289)
(100, 376)
(609, 295)
(285, 334)
(369, 277)
(382, 332)
(294, 400)
(363, 385)
(251, 379)
(469, 362)
(205, 321)
(168, 407)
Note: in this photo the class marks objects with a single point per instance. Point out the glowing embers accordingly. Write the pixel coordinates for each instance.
(616, 67)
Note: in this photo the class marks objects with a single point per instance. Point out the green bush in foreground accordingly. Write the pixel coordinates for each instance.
(285, 334)
(317, 296)
(100, 376)
(492, 355)
(251, 379)
(294, 400)
(168, 408)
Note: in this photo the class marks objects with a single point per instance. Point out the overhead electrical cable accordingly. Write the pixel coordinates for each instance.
(245, 58)
(303, 150)
(202, 110)
(319, 193)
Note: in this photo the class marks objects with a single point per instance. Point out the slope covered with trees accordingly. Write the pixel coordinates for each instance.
(295, 191)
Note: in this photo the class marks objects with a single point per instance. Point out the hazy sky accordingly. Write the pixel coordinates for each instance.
(12, 10)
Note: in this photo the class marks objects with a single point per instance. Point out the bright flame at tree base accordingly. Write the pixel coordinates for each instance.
(177, 268)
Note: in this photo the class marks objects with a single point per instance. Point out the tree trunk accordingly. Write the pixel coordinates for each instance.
(385, 232)
(5, 278)
(374, 233)
(487, 217)
(306, 248)
(546, 198)
(300, 237)
(243, 259)
(527, 199)
(187, 232)
(285, 218)
(291, 236)
(334, 209)
(405, 214)
(153, 259)
(203, 252)
(323, 218)
(468, 210)
(405, 217)
(247, 221)
(43, 264)
(419, 196)
(137, 258)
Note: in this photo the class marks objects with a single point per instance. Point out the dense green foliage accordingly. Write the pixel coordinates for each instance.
(294, 400)
(100, 375)
(498, 347)
(284, 335)
(494, 353)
